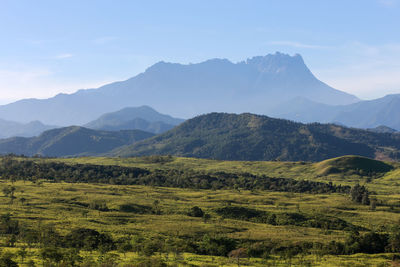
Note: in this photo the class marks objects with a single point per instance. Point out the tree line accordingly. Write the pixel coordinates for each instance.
(33, 170)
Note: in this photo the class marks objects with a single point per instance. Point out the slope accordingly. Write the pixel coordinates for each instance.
(254, 137)
(71, 141)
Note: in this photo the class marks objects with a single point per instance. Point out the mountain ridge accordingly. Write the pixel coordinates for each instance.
(363, 114)
(70, 141)
(142, 118)
(248, 136)
(255, 85)
(32, 128)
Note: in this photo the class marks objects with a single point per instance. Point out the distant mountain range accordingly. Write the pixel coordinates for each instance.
(255, 85)
(276, 85)
(33, 128)
(364, 114)
(71, 141)
(217, 136)
(253, 137)
(141, 118)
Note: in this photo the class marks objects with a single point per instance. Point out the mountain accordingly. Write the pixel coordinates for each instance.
(254, 85)
(382, 129)
(12, 128)
(372, 113)
(71, 141)
(364, 114)
(142, 118)
(254, 137)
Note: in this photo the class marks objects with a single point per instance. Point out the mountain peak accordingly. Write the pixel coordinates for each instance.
(255, 85)
(279, 63)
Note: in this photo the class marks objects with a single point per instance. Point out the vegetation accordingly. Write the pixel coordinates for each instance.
(55, 171)
(71, 141)
(88, 212)
(254, 137)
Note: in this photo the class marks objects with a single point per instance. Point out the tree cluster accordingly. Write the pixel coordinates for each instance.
(13, 169)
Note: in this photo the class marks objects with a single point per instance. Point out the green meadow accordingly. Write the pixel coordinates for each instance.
(165, 226)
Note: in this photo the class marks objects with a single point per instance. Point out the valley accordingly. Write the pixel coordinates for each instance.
(149, 221)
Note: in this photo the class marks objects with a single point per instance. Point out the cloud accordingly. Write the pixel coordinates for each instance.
(368, 71)
(298, 45)
(38, 83)
(368, 85)
(388, 3)
(64, 56)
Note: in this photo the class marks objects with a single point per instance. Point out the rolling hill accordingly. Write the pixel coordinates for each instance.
(33, 128)
(254, 137)
(70, 141)
(254, 85)
(141, 118)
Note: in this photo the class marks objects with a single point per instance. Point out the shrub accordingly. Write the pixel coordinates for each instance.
(88, 239)
(195, 212)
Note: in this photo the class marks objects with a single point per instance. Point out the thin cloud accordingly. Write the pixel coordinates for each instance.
(64, 56)
(388, 3)
(298, 45)
(39, 83)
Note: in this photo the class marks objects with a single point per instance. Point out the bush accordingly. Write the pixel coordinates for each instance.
(218, 246)
(6, 259)
(134, 208)
(89, 239)
(195, 212)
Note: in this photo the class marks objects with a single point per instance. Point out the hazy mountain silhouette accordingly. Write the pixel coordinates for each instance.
(255, 85)
(364, 114)
(71, 141)
(142, 118)
(12, 128)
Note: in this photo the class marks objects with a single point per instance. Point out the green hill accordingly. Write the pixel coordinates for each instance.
(71, 141)
(352, 165)
(254, 137)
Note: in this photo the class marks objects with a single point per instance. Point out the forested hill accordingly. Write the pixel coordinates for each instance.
(255, 137)
(71, 141)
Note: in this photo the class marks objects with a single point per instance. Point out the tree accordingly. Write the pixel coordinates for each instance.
(125, 247)
(11, 240)
(373, 204)
(51, 254)
(394, 239)
(206, 218)
(22, 254)
(8, 191)
(359, 194)
(7, 260)
(71, 257)
(195, 212)
(156, 207)
(238, 254)
(22, 200)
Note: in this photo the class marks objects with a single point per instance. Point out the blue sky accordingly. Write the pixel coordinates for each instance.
(47, 47)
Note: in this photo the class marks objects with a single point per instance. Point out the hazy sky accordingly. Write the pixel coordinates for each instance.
(47, 47)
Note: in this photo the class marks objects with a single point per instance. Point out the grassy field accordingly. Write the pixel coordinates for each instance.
(349, 169)
(163, 212)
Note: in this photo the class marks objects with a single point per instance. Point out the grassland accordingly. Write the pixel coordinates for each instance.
(350, 169)
(67, 206)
